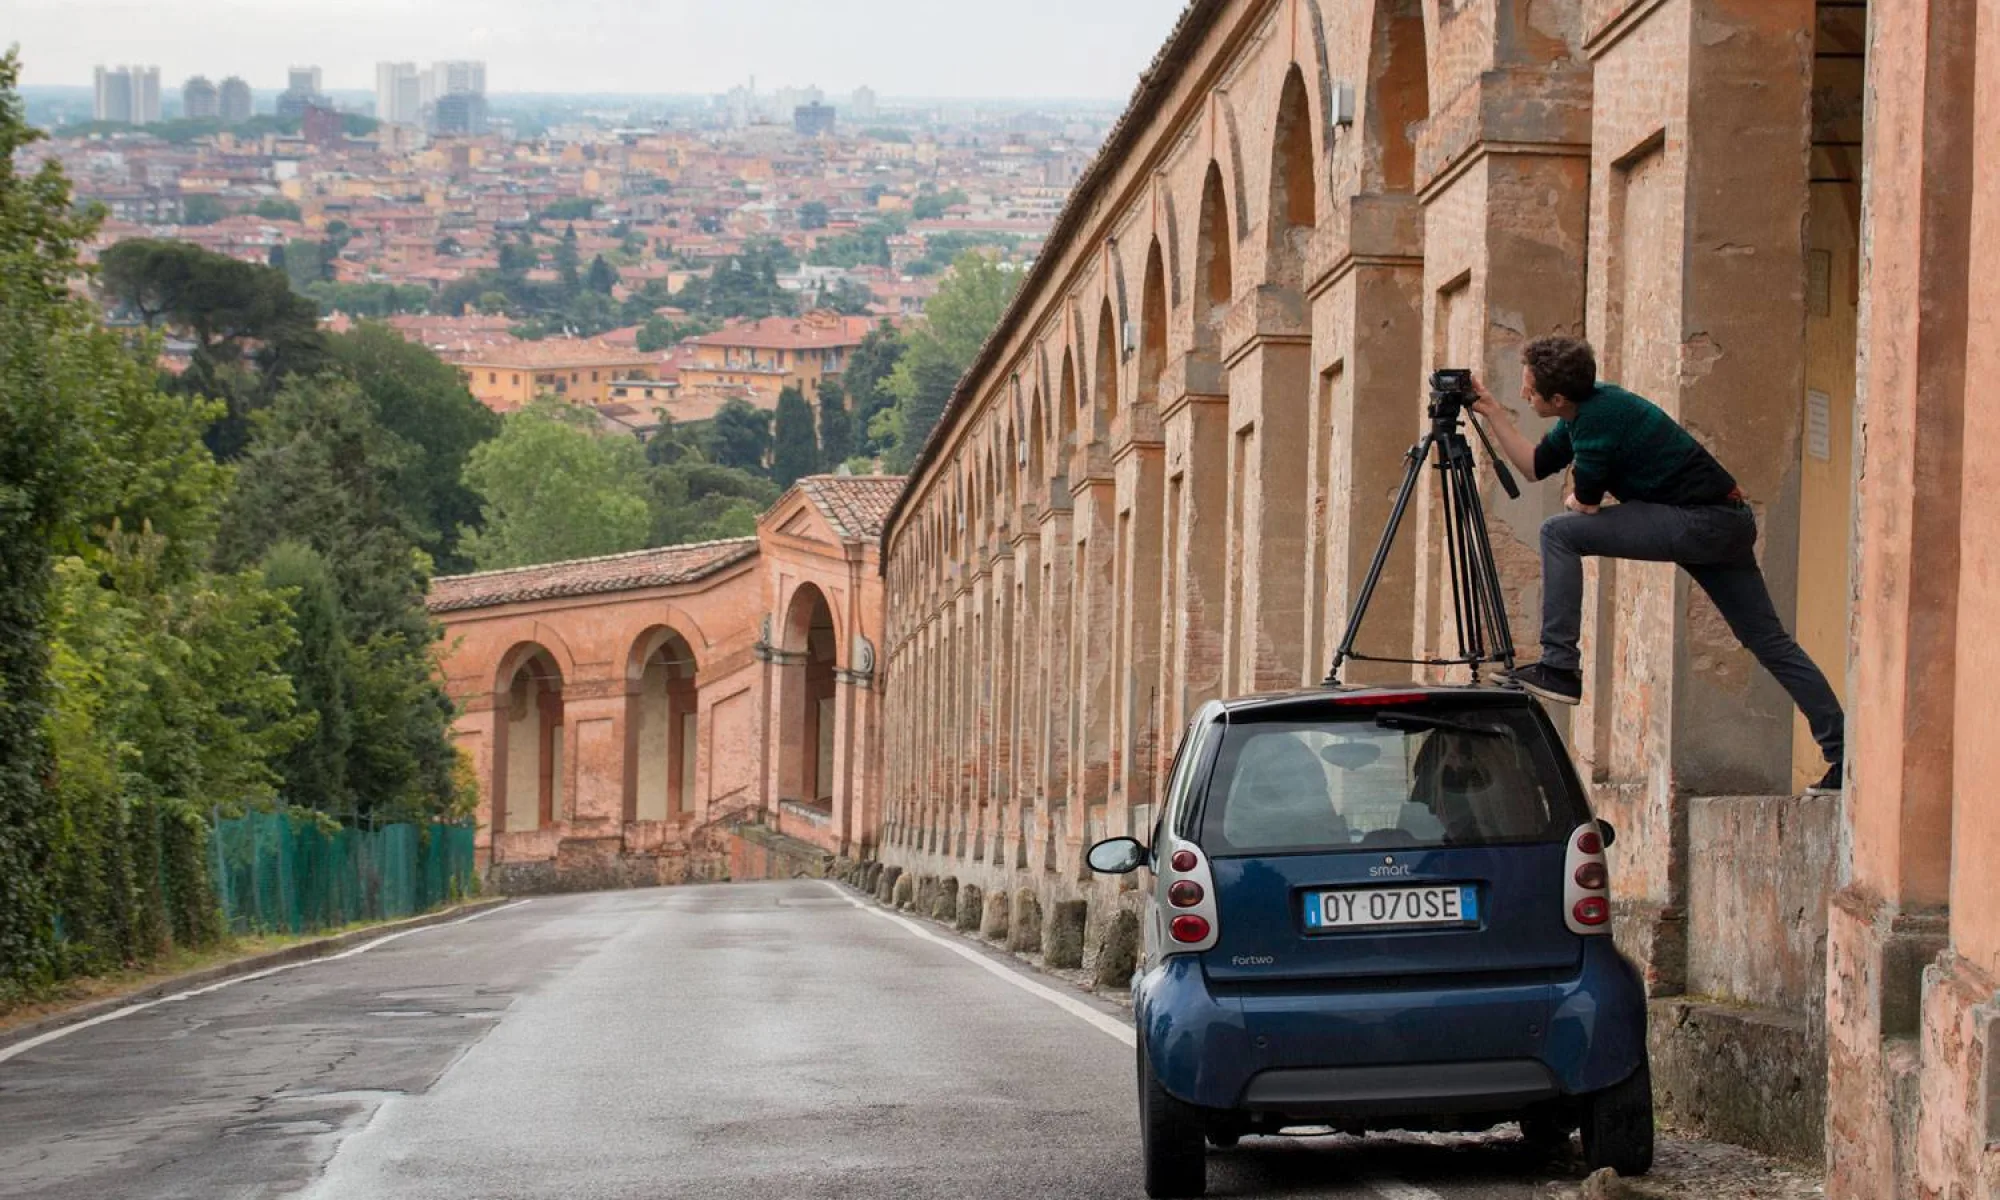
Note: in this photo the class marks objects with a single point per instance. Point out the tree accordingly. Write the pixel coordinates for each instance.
(423, 401)
(320, 665)
(324, 473)
(868, 369)
(568, 260)
(794, 448)
(931, 205)
(739, 436)
(203, 209)
(813, 215)
(552, 489)
(277, 208)
(251, 331)
(573, 208)
(957, 323)
(697, 501)
(836, 432)
(602, 278)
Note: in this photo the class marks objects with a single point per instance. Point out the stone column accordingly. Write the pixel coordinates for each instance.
(1053, 738)
(1095, 625)
(1909, 665)
(1194, 413)
(1002, 689)
(1026, 652)
(1136, 684)
(1267, 348)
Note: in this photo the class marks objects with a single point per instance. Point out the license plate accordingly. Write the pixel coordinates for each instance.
(1363, 908)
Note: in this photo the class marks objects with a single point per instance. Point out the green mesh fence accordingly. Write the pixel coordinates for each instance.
(279, 872)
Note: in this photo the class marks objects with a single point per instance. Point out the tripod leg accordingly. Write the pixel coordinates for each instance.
(1488, 570)
(1417, 456)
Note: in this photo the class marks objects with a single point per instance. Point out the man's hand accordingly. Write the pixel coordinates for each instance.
(1571, 503)
(1484, 404)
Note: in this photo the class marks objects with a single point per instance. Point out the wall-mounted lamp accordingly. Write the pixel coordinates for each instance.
(1343, 105)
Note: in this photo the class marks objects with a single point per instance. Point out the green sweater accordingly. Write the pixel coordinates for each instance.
(1625, 445)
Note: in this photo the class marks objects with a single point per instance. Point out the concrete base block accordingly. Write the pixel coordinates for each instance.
(1025, 926)
(904, 892)
(944, 902)
(885, 884)
(1062, 946)
(971, 908)
(993, 923)
(1752, 1076)
(1119, 951)
(1654, 937)
(926, 897)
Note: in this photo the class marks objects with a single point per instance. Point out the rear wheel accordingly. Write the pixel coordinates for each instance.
(1170, 1137)
(1618, 1126)
(1546, 1135)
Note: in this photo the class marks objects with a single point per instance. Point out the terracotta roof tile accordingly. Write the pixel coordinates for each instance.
(855, 505)
(588, 576)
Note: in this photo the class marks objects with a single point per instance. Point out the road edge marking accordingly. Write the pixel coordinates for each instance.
(1102, 1022)
(22, 1047)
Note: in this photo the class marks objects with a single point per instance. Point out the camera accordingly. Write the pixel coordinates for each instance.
(1451, 391)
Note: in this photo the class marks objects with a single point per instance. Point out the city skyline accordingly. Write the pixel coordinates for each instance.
(897, 47)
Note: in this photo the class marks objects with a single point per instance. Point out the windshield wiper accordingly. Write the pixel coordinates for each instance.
(1407, 722)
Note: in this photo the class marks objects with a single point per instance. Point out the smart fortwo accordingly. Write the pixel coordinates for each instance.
(1380, 909)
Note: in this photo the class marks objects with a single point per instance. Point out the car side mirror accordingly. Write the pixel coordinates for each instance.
(1117, 856)
(1609, 831)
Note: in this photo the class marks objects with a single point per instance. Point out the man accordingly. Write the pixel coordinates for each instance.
(1675, 504)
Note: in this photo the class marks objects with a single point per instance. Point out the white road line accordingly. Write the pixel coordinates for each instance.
(1069, 1004)
(44, 1039)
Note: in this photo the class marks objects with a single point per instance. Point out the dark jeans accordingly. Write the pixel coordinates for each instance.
(1715, 544)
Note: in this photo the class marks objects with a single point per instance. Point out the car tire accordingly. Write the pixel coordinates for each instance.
(1170, 1138)
(1546, 1135)
(1618, 1126)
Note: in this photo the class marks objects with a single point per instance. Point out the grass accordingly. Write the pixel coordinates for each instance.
(179, 961)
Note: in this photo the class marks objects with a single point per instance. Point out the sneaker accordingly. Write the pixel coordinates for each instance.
(1550, 683)
(1829, 784)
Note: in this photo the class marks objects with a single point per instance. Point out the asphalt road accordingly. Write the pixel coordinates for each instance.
(751, 1040)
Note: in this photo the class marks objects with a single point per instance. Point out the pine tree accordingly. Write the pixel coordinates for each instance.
(836, 427)
(601, 278)
(322, 673)
(794, 449)
(739, 436)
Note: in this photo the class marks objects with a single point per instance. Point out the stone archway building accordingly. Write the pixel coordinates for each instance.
(624, 715)
(1165, 472)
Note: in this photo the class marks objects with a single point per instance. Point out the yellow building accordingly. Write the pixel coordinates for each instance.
(766, 356)
(504, 378)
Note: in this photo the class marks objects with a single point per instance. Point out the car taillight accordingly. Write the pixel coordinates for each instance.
(1381, 699)
(1185, 860)
(1592, 910)
(1592, 875)
(1586, 883)
(1185, 893)
(1188, 928)
(1590, 842)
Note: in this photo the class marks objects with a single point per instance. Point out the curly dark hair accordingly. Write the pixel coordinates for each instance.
(1562, 366)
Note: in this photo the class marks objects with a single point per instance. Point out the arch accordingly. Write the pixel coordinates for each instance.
(1038, 437)
(806, 709)
(1106, 407)
(528, 779)
(1398, 100)
(1066, 411)
(1152, 329)
(1294, 192)
(1215, 277)
(662, 706)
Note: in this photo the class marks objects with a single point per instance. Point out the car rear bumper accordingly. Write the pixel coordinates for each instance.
(1372, 1052)
(1493, 1085)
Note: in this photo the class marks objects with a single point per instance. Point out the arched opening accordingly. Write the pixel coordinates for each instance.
(1038, 439)
(810, 650)
(1398, 96)
(1152, 328)
(1293, 194)
(1107, 367)
(529, 792)
(1212, 266)
(1066, 415)
(663, 714)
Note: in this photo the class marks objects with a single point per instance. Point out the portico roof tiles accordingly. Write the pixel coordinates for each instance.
(588, 576)
(855, 505)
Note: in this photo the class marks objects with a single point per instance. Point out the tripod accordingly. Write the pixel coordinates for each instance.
(1477, 607)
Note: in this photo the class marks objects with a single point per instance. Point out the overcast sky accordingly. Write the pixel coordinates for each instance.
(990, 48)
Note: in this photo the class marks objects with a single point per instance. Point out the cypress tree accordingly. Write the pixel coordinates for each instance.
(794, 450)
(836, 428)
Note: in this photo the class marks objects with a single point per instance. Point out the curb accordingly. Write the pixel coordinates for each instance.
(303, 952)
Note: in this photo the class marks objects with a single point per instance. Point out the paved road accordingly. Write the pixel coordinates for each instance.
(755, 1040)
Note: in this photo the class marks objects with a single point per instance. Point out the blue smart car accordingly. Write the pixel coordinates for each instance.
(1380, 909)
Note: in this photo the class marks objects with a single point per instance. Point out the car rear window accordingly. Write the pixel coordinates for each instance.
(1416, 778)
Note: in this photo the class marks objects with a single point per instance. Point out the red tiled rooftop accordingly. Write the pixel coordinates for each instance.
(792, 333)
(663, 567)
(855, 505)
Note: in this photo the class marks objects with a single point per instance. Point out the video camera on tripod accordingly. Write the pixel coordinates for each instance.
(1478, 608)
